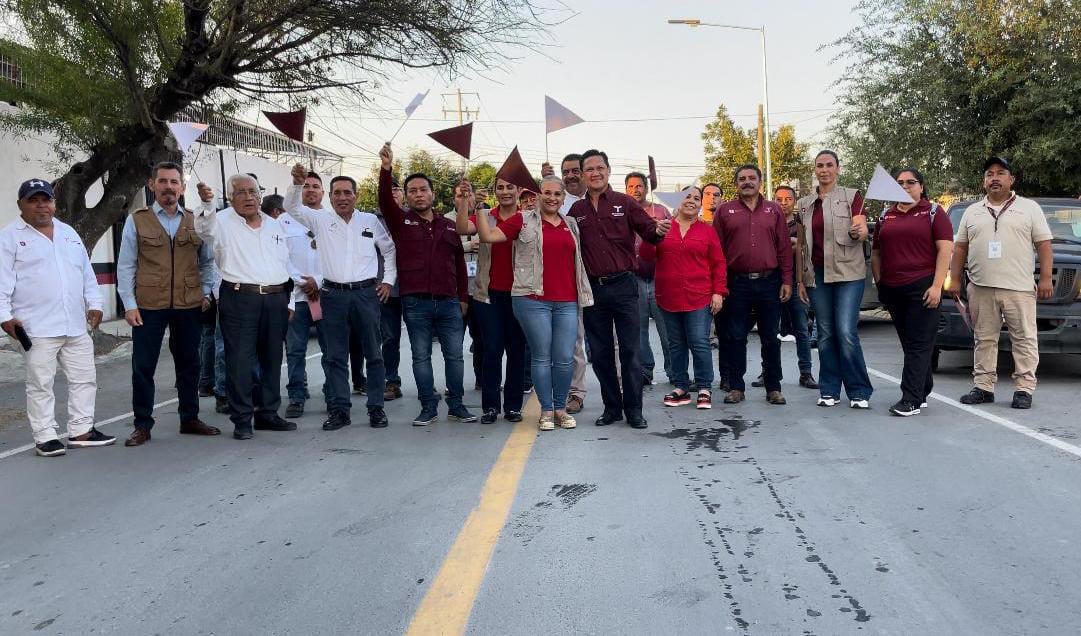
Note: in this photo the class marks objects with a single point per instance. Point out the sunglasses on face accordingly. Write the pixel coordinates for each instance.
(908, 182)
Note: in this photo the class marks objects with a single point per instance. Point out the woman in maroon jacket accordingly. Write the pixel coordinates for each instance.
(909, 259)
(690, 283)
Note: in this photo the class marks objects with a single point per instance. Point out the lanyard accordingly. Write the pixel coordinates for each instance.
(998, 215)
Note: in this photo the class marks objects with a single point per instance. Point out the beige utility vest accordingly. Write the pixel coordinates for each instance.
(167, 271)
(529, 259)
(842, 256)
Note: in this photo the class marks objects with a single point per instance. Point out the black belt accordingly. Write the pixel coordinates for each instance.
(262, 290)
(608, 280)
(427, 296)
(753, 275)
(360, 284)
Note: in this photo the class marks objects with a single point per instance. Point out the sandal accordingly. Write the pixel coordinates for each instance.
(705, 400)
(677, 398)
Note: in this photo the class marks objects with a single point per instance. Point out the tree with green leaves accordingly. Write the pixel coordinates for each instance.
(444, 173)
(105, 76)
(942, 84)
(728, 146)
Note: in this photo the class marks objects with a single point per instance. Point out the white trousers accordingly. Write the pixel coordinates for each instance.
(76, 357)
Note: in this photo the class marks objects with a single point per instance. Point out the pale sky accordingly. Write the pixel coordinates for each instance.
(618, 65)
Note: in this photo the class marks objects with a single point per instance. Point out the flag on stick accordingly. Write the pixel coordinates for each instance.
(884, 188)
(514, 172)
(415, 103)
(652, 174)
(458, 139)
(291, 124)
(186, 132)
(557, 116)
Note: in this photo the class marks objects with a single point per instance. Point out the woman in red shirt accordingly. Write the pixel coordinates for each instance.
(691, 282)
(549, 286)
(909, 259)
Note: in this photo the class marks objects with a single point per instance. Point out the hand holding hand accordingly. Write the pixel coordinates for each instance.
(464, 199)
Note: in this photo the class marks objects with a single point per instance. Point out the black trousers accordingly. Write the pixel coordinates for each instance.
(356, 360)
(616, 307)
(476, 336)
(185, 328)
(751, 301)
(720, 323)
(917, 328)
(253, 327)
(502, 335)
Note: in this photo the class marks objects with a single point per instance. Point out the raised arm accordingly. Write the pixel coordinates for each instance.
(392, 213)
(292, 198)
(464, 203)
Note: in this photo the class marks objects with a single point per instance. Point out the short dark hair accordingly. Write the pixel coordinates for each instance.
(166, 165)
(314, 175)
(574, 156)
(836, 159)
(593, 152)
(919, 177)
(715, 185)
(271, 202)
(418, 175)
(746, 166)
(351, 180)
(394, 183)
(786, 187)
(636, 175)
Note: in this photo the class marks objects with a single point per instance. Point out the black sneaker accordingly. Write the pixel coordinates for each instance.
(51, 448)
(759, 382)
(1021, 400)
(242, 432)
(513, 416)
(723, 384)
(221, 404)
(360, 389)
(294, 410)
(274, 423)
(377, 418)
(904, 408)
(460, 414)
(336, 420)
(96, 438)
(428, 414)
(489, 416)
(206, 391)
(977, 396)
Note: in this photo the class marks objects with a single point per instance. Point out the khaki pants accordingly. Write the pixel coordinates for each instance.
(578, 380)
(989, 306)
(76, 357)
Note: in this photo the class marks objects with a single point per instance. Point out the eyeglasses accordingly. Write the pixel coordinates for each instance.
(908, 182)
(245, 192)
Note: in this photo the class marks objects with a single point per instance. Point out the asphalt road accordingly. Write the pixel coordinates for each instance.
(756, 519)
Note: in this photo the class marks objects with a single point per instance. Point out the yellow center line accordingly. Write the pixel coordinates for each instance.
(446, 607)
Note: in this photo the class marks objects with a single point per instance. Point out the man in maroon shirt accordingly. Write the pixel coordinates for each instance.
(432, 283)
(754, 236)
(636, 186)
(607, 221)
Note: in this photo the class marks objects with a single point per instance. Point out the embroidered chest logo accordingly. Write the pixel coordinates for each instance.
(277, 239)
(408, 222)
(22, 243)
(618, 209)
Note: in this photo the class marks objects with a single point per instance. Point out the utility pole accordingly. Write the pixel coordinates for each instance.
(462, 112)
(761, 149)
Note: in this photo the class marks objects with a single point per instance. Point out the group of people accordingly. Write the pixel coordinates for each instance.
(577, 270)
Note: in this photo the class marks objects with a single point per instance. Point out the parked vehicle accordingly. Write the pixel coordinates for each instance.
(1058, 319)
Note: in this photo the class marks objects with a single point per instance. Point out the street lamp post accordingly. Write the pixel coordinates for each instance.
(767, 169)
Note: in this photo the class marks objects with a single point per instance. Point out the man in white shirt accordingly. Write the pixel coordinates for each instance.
(252, 255)
(48, 295)
(355, 244)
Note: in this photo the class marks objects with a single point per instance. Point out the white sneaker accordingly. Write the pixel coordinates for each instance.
(859, 404)
(923, 405)
(788, 338)
(828, 400)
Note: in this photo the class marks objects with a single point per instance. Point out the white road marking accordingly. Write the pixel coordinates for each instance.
(991, 417)
(112, 420)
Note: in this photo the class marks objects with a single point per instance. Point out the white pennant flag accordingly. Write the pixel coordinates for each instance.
(415, 103)
(186, 132)
(883, 187)
(557, 116)
(672, 200)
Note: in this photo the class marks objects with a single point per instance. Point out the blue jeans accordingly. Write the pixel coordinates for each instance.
(502, 334)
(796, 313)
(351, 313)
(647, 308)
(761, 296)
(296, 350)
(219, 363)
(425, 317)
(688, 332)
(390, 315)
(206, 353)
(840, 357)
(551, 329)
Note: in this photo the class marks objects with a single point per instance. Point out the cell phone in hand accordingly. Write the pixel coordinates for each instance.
(23, 337)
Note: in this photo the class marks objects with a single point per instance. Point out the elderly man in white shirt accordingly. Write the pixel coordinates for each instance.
(48, 295)
(355, 244)
(253, 257)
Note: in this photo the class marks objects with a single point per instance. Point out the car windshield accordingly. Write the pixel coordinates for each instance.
(1063, 219)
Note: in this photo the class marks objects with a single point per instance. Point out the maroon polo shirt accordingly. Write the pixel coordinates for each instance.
(754, 240)
(607, 232)
(906, 243)
(429, 253)
(645, 268)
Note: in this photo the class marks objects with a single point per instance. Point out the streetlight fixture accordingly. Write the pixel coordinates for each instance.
(694, 22)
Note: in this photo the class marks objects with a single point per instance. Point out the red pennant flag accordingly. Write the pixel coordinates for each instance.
(652, 174)
(459, 139)
(515, 172)
(290, 124)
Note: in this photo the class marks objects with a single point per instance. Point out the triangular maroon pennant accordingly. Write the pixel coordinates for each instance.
(515, 172)
(652, 173)
(458, 139)
(290, 124)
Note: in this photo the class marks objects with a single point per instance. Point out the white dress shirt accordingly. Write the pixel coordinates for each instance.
(568, 200)
(48, 285)
(303, 258)
(350, 252)
(256, 256)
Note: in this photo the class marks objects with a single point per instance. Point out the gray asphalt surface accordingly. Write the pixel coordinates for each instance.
(756, 519)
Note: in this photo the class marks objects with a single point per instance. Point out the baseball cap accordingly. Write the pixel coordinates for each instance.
(997, 161)
(33, 186)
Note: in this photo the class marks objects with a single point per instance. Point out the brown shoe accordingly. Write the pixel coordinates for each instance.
(198, 427)
(574, 404)
(392, 392)
(735, 396)
(776, 397)
(138, 437)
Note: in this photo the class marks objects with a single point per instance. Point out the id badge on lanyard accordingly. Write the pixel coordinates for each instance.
(994, 248)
